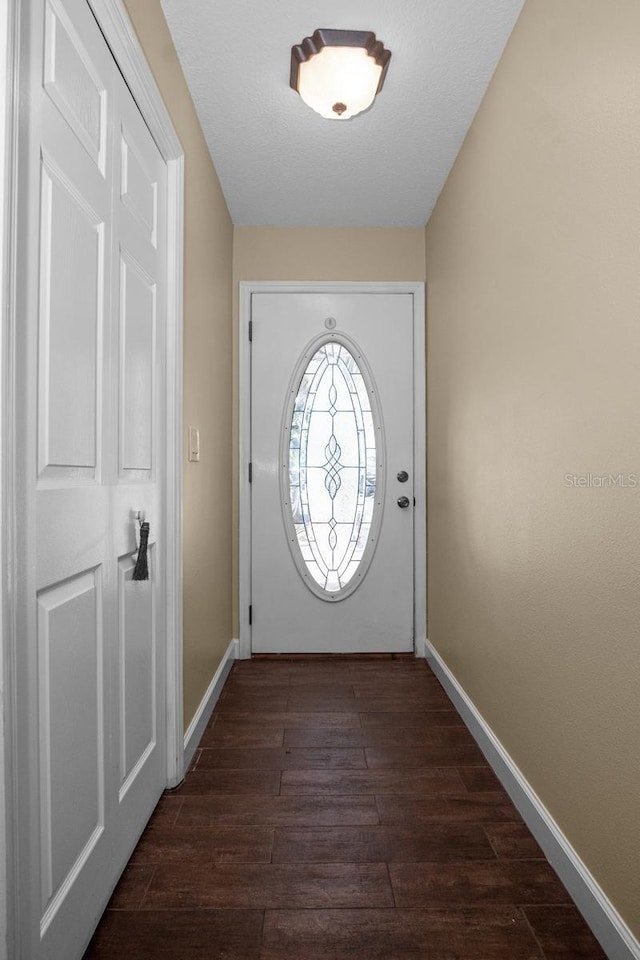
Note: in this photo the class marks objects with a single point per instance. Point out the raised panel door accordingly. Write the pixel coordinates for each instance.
(90, 673)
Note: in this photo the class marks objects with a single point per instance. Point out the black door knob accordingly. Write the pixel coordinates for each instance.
(403, 502)
(403, 476)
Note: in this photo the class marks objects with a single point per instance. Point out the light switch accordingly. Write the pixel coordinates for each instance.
(194, 444)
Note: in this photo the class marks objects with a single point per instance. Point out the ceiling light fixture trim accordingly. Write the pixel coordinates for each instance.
(338, 73)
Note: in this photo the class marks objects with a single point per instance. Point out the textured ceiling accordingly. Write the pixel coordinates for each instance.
(279, 163)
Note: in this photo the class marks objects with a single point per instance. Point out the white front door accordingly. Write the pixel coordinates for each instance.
(332, 475)
(91, 671)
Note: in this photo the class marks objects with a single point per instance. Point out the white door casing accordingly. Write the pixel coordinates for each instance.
(385, 324)
(8, 74)
(98, 750)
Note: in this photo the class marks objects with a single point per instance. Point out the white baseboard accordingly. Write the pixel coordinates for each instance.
(616, 939)
(202, 715)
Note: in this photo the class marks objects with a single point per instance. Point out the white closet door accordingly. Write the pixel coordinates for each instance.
(91, 673)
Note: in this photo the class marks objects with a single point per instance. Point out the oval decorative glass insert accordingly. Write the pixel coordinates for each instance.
(333, 435)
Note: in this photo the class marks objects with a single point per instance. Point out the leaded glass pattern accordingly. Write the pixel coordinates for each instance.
(332, 466)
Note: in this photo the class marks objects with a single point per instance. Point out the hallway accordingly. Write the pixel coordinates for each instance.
(339, 809)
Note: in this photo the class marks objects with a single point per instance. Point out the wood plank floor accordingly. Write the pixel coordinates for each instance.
(338, 809)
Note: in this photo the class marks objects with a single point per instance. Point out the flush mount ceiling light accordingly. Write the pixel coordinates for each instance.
(339, 72)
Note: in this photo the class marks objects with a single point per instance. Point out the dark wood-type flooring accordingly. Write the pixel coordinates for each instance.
(339, 809)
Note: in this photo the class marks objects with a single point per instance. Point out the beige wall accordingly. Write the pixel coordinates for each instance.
(533, 281)
(328, 253)
(207, 372)
(319, 253)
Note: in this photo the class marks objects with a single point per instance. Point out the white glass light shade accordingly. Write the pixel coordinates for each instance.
(339, 82)
(339, 72)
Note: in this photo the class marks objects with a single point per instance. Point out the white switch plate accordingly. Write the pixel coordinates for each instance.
(194, 444)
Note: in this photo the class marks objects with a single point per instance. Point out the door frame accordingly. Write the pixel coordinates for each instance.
(121, 38)
(417, 291)
(8, 176)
